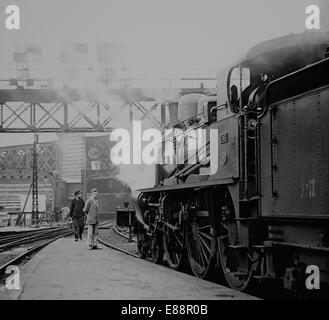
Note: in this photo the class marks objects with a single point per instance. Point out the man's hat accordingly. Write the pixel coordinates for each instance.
(93, 190)
(77, 192)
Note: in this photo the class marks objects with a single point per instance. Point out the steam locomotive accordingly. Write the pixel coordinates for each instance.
(264, 213)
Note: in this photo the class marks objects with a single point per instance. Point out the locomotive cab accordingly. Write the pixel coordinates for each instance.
(264, 63)
(243, 87)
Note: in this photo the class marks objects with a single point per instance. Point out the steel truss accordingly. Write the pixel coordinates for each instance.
(67, 110)
(16, 162)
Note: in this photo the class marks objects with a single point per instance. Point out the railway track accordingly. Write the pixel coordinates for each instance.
(8, 242)
(30, 241)
(110, 237)
(123, 233)
(118, 240)
(109, 245)
(13, 248)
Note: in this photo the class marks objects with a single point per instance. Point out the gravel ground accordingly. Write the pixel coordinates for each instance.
(8, 256)
(110, 236)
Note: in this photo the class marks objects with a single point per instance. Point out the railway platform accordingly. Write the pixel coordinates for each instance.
(66, 269)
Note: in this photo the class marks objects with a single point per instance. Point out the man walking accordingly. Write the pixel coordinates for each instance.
(92, 210)
(77, 214)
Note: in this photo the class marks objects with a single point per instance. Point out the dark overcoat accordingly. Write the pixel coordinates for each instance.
(76, 210)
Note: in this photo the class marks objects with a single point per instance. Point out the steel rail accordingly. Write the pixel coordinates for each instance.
(109, 245)
(22, 234)
(31, 250)
(122, 234)
(28, 239)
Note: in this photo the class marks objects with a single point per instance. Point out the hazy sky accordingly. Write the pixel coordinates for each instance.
(163, 37)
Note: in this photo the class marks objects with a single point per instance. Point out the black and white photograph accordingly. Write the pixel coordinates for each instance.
(164, 154)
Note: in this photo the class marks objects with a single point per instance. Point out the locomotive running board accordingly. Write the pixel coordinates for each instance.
(190, 185)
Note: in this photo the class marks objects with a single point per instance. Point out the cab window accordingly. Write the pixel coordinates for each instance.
(238, 81)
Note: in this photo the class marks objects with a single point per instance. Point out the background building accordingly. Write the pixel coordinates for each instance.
(72, 162)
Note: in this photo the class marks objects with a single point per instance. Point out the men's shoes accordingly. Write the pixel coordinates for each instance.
(76, 239)
(94, 248)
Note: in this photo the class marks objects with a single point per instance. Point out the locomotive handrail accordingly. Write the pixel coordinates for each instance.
(317, 81)
(220, 107)
(194, 185)
(199, 126)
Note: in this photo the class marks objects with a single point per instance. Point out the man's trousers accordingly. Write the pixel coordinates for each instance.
(92, 235)
(78, 225)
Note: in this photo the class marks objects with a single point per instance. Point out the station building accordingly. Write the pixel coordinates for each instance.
(74, 161)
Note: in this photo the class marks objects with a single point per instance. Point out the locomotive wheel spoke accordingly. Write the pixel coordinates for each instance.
(225, 227)
(173, 247)
(201, 260)
(204, 227)
(173, 243)
(236, 262)
(156, 251)
(199, 244)
(141, 243)
(203, 246)
(208, 236)
(178, 241)
(251, 259)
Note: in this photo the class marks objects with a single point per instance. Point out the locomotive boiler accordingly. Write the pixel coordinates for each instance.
(264, 212)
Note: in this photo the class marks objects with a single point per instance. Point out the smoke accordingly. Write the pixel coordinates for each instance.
(84, 98)
(137, 176)
(162, 95)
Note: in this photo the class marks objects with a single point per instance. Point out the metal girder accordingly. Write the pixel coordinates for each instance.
(66, 110)
(147, 113)
(68, 95)
(59, 116)
(71, 110)
(16, 162)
